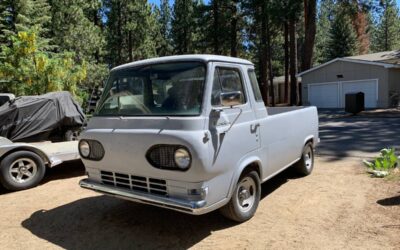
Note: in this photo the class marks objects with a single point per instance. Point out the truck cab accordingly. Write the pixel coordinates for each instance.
(191, 133)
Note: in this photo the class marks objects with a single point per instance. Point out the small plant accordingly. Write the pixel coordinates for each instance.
(384, 163)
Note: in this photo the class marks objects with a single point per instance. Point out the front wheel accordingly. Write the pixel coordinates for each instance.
(306, 163)
(245, 199)
(21, 170)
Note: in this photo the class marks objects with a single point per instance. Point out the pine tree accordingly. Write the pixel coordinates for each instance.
(26, 64)
(183, 26)
(23, 16)
(386, 34)
(325, 18)
(72, 29)
(7, 20)
(132, 31)
(164, 20)
(342, 38)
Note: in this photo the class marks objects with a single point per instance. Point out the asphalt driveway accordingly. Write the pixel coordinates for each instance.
(359, 136)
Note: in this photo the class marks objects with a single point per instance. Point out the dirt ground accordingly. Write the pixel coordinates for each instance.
(337, 207)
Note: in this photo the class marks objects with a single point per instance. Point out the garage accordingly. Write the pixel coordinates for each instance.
(376, 75)
(325, 95)
(333, 95)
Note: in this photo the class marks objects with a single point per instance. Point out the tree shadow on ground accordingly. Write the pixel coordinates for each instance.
(357, 136)
(104, 222)
(392, 201)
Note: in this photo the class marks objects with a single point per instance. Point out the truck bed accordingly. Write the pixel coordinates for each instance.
(280, 110)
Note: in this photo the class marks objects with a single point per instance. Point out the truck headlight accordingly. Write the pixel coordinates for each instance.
(182, 158)
(84, 148)
(91, 149)
(171, 157)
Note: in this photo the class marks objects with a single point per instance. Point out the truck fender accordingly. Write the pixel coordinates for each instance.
(246, 161)
(308, 139)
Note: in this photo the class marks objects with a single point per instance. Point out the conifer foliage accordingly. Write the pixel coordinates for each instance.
(48, 45)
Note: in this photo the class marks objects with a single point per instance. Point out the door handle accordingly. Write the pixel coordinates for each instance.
(254, 127)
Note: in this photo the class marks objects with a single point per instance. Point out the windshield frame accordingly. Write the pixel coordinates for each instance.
(108, 86)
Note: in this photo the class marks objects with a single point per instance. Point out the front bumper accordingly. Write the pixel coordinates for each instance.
(185, 206)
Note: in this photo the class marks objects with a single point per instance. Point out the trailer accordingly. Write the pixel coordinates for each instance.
(23, 165)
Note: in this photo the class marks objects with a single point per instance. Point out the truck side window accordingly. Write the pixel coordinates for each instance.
(254, 85)
(226, 80)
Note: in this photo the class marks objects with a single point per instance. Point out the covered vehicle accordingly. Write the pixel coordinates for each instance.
(55, 116)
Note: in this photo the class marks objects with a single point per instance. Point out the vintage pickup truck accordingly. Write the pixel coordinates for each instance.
(191, 133)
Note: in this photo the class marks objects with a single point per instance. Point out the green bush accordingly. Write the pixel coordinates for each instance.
(382, 164)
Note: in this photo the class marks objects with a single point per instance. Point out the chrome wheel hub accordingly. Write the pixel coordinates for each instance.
(308, 158)
(23, 170)
(246, 194)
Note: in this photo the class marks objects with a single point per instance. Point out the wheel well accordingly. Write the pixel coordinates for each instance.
(35, 151)
(254, 166)
(310, 140)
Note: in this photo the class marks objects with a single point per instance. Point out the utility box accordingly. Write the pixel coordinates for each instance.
(354, 102)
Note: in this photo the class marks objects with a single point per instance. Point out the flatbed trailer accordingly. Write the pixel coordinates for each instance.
(23, 165)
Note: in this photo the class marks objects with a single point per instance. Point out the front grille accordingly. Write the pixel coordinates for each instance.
(162, 156)
(133, 182)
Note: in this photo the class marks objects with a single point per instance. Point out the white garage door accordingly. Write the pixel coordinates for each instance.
(324, 95)
(368, 87)
(332, 95)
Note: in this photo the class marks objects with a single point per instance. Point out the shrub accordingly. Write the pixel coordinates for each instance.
(384, 163)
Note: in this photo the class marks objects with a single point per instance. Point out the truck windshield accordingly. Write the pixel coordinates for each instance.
(168, 89)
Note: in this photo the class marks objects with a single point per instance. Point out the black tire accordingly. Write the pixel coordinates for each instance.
(14, 175)
(236, 211)
(305, 165)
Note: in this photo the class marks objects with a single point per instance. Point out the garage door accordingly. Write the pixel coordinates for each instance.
(368, 87)
(324, 95)
(332, 95)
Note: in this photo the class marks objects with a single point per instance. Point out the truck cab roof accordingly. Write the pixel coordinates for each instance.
(182, 58)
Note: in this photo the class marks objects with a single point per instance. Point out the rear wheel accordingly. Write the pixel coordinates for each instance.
(306, 163)
(21, 170)
(245, 199)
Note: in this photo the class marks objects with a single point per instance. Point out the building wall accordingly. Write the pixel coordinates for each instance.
(350, 71)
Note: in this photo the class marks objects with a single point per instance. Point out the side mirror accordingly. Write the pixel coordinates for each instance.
(230, 99)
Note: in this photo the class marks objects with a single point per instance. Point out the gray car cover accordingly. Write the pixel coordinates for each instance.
(36, 118)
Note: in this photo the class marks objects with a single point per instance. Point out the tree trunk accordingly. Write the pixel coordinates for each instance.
(286, 34)
(310, 13)
(270, 72)
(216, 28)
(293, 62)
(130, 47)
(263, 58)
(234, 21)
(96, 23)
(119, 56)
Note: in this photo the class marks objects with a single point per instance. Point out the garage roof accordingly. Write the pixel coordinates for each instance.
(391, 57)
(387, 59)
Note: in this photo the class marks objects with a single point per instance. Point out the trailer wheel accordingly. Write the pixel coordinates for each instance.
(21, 170)
(245, 199)
(306, 163)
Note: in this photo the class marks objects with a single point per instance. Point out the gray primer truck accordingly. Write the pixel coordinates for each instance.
(191, 133)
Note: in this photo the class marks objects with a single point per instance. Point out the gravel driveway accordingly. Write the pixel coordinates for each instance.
(337, 207)
(360, 136)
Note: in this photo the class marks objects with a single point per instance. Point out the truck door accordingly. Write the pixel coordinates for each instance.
(234, 130)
